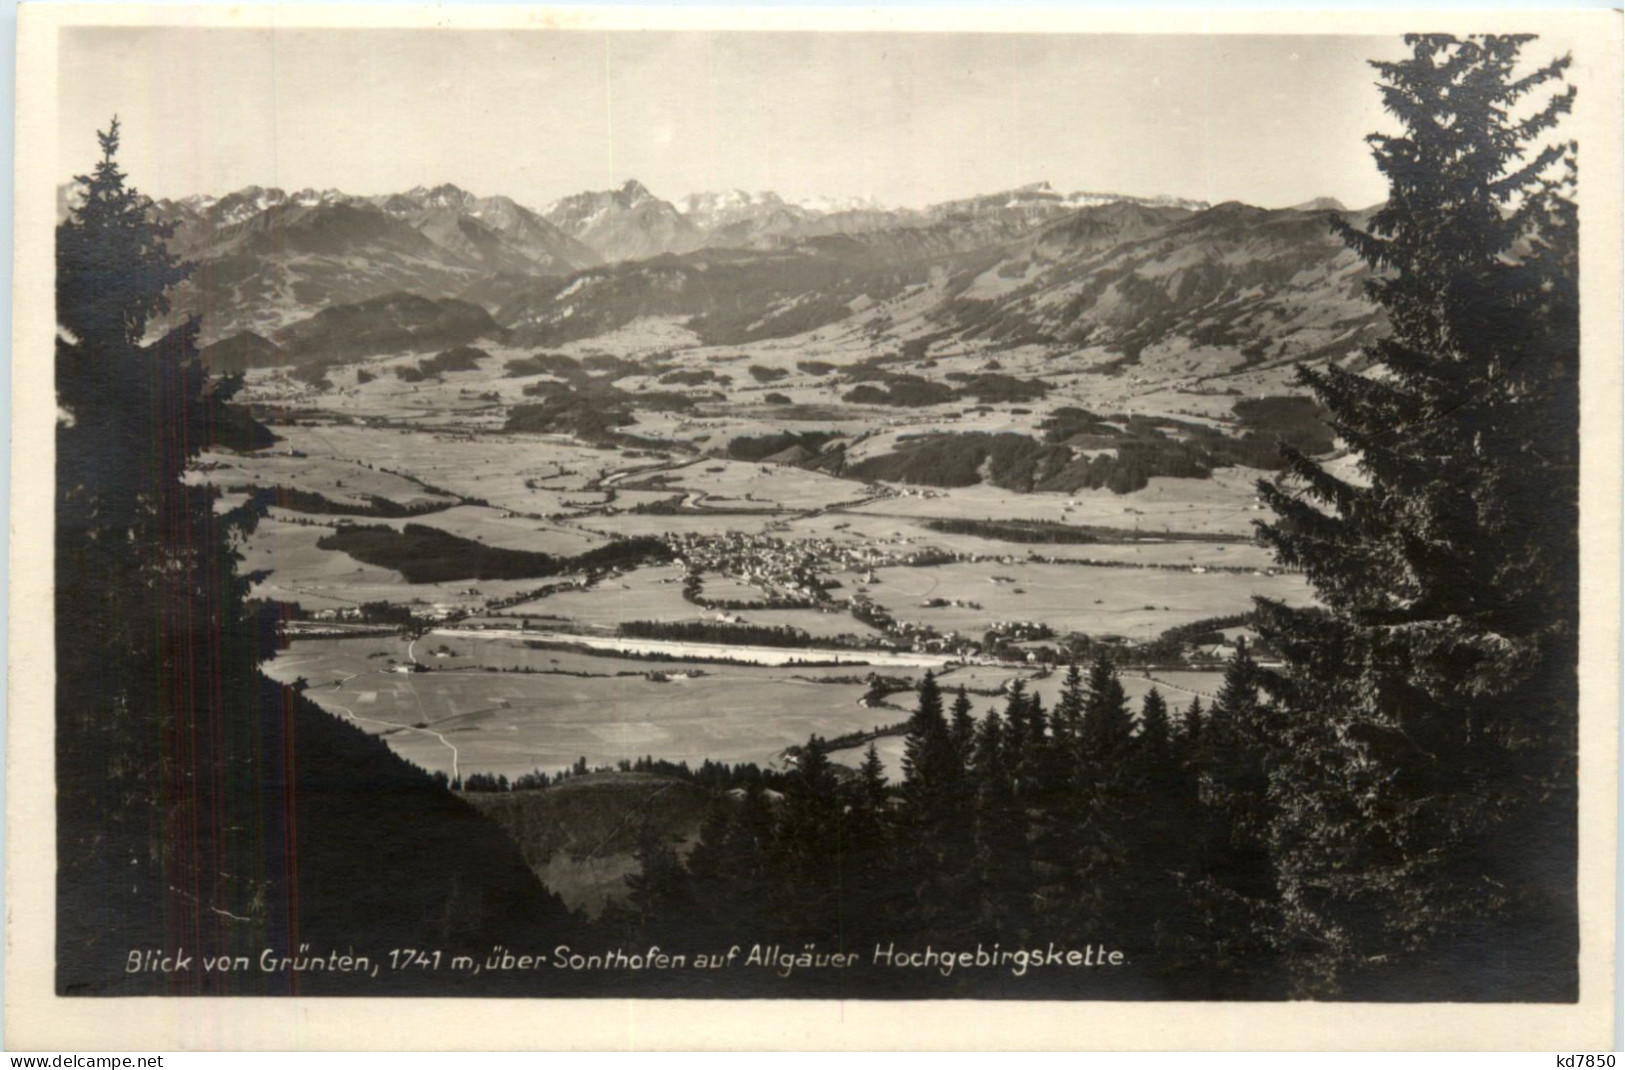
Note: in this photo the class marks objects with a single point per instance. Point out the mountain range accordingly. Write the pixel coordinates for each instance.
(1272, 285)
(278, 272)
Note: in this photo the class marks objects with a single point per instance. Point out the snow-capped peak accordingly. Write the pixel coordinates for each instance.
(445, 195)
(825, 205)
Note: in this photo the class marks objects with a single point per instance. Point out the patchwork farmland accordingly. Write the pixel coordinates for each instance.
(750, 526)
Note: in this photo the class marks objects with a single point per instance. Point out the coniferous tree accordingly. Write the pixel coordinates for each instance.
(1107, 723)
(962, 729)
(1169, 856)
(1002, 861)
(1155, 736)
(872, 778)
(729, 867)
(956, 832)
(810, 852)
(870, 896)
(1234, 881)
(935, 813)
(1038, 776)
(1432, 700)
(1046, 777)
(1016, 727)
(660, 897)
(926, 753)
(1154, 812)
(1190, 728)
(1098, 811)
(1068, 717)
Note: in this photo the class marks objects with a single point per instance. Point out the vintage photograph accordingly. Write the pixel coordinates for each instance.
(568, 512)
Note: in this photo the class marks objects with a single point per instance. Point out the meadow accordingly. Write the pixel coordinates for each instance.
(654, 592)
(299, 571)
(1136, 603)
(500, 528)
(871, 526)
(511, 723)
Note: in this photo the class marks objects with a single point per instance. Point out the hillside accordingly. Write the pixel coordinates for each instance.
(241, 351)
(291, 260)
(267, 257)
(392, 323)
(1265, 286)
(1271, 284)
(336, 843)
(579, 835)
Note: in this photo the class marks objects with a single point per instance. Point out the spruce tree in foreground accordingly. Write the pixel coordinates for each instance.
(811, 849)
(1003, 862)
(1427, 772)
(1156, 734)
(152, 626)
(936, 847)
(1107, 723)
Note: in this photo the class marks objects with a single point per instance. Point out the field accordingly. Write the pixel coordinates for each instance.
(471, 720)
(316, 579)
(723, 484)
(1136, 603)
(1223, 504)
(495, 527)
(339, 478)
(868, 526)
(652, 593)
(499, 706)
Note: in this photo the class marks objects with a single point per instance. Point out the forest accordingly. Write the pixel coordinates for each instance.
(299, 500)
(429, 555)
(1130, 450)
(706, 631)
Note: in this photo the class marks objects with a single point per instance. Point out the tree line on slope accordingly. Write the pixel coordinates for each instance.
(424, 554)
(1076, 825)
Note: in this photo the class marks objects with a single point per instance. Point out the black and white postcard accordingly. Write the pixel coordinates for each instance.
(565, 511)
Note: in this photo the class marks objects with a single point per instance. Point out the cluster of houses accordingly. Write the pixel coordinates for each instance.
(787, 567)
(795, 567)
(922, 638)
(439, 611)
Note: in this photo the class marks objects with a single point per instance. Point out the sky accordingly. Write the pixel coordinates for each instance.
(909, 119)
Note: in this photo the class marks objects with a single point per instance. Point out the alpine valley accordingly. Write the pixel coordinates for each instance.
(746, 465)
